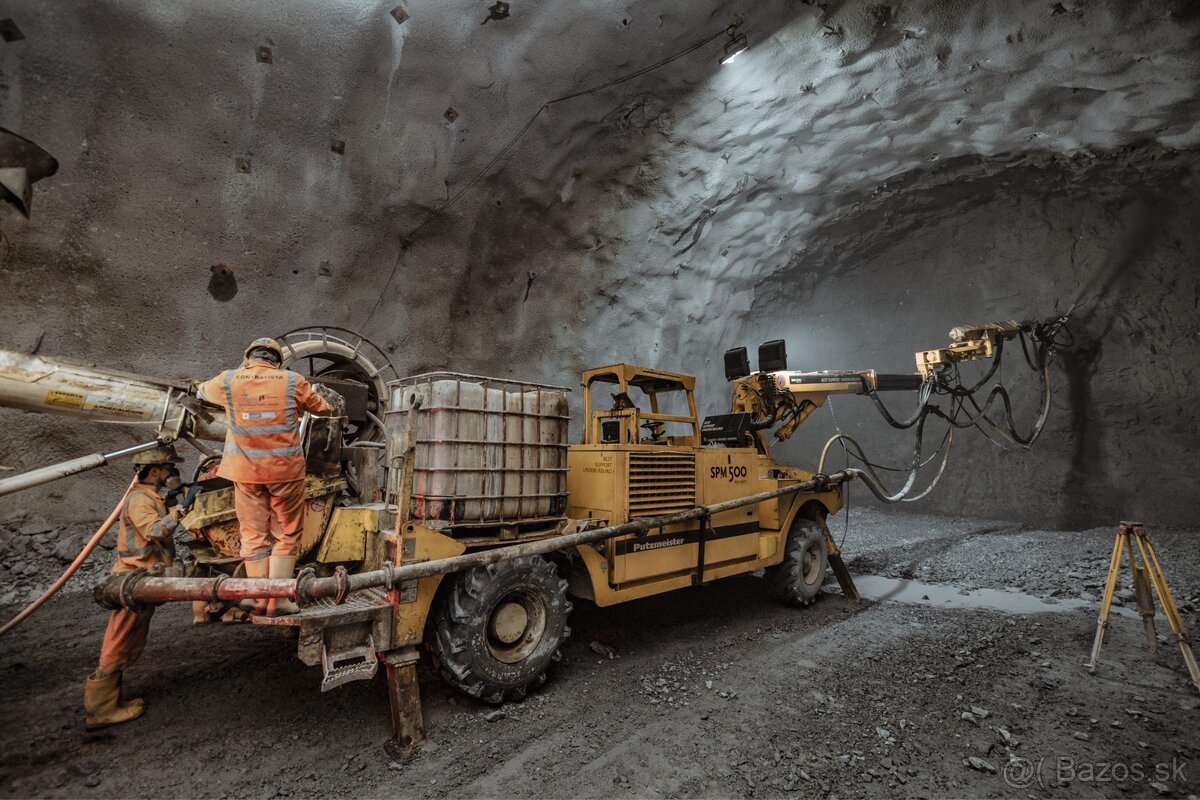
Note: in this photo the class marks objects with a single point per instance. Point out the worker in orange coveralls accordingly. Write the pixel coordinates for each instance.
(264, 458)
(146, 534)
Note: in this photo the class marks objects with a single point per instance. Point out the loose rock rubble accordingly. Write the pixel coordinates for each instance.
(712, 692)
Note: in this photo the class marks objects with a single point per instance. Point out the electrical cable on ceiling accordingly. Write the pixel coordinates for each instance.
(406, 239)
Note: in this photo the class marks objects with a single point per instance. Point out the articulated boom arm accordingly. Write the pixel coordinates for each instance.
(970, 343)
(791, 397)
(769, 397)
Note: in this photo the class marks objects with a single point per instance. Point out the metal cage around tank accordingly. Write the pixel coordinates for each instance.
(490, 453)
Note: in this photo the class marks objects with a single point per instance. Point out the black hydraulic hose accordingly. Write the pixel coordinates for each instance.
(928, 460)
(1008, 430)
(1039, 351)
(926, 391)
(961, 390)
(869, 477)
(767, 398)
(766, 422)
(1043, 336)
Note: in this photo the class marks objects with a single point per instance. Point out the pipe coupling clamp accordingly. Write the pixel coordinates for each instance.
(116, 593)
(304, 582)
(341, 583)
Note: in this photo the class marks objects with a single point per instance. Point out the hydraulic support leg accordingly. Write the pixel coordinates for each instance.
(404, 699)
(840, 570)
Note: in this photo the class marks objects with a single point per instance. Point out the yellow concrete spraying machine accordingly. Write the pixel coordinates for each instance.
(461, 519)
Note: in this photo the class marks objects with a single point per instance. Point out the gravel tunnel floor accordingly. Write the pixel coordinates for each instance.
(714, 691)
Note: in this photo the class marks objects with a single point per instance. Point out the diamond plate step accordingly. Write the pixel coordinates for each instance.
(352, 664)
(362, 604)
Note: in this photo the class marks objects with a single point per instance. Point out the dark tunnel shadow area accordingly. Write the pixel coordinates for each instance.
(1091, 486)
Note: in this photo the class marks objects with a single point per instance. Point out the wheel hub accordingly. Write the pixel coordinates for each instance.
(509, 622)
(810, 564)
(516, 626)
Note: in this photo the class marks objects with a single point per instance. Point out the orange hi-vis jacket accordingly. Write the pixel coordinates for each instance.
(146, 535)
(262, 402)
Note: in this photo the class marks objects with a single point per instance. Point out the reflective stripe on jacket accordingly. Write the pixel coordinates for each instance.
(263, 404)
(145, 537)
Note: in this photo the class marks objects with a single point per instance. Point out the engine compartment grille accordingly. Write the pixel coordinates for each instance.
(661, 483)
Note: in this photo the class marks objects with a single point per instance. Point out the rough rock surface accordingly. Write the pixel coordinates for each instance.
(844, 183)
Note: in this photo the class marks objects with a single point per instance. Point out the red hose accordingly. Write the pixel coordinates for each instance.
(75, 565)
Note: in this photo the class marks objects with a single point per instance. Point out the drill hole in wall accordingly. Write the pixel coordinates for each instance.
(222, 284)
(9, 30)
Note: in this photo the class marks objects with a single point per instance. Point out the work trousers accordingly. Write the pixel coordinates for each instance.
(270, 517)
(124, 639)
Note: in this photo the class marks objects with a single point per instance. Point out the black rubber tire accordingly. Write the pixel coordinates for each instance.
(797, 579)
(461, 637)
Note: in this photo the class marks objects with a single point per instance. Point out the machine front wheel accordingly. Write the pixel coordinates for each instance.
(497, 629)
(797, 579)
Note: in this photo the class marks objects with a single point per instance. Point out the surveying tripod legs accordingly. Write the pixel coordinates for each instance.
(1170, 611)
(1129, 536)
(1110, 587)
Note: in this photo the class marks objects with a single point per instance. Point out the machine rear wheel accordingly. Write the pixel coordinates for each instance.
(797, 579)
(497, 629)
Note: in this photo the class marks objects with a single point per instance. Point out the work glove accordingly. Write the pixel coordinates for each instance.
(333, 398)
(185, 503)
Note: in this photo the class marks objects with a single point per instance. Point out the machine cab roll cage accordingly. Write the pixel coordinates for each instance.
(624, 421)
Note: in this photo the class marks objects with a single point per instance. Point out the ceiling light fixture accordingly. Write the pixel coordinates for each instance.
(735, 46)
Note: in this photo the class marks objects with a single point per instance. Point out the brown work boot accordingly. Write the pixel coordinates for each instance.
(282, 567)
(102, 703)
(122, 697)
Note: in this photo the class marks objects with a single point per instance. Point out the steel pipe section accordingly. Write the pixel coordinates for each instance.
(141, 588)
(36, 477)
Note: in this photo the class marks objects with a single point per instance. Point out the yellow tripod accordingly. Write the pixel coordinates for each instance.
(1149, 572)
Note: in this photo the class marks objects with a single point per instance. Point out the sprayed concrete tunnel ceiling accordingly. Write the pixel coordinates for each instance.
(859, 178)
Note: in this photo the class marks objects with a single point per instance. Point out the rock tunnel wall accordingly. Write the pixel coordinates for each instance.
(984, 239)
(864, 177)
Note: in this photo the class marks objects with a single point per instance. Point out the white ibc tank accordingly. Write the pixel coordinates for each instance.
(488, 450)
